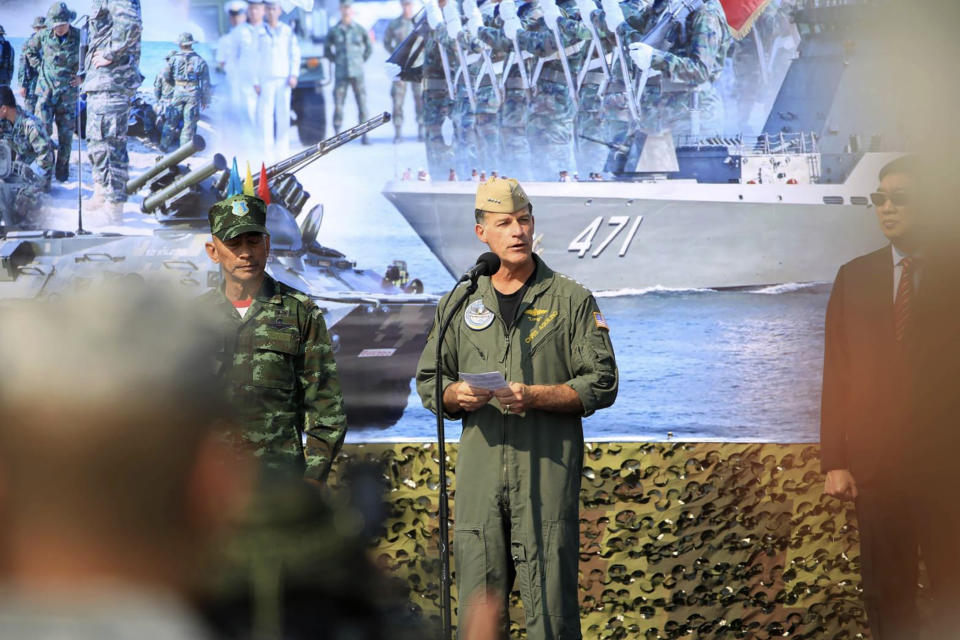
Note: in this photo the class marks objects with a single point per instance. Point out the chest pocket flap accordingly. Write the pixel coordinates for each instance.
(544, 332)
(274, 356)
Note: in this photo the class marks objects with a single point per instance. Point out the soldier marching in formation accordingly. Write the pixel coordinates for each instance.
(26, 72)
(57, 60)
(395, 33)
(557, 92)
(186, 78)
(348, 47)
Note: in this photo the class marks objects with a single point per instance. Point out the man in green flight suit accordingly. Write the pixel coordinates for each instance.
(521, 451)
(277, 360)
(348, 46)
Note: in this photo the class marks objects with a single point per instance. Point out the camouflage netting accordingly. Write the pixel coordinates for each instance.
(676, 540)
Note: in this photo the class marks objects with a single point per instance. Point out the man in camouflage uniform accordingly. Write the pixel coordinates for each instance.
(57, 60)
(163, 94)
(515, 148)
(521, 449)
(112, 78)
(348, 47)
(277, 360)
(437, 104)
(6, 59)
(552, 109)
(397, 31)
(27, 73)
(189, 77)
(683, 99)
(33, 149)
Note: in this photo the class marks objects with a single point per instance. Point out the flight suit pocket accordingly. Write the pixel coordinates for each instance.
(544, 337)
(470, 553)
(273, 360)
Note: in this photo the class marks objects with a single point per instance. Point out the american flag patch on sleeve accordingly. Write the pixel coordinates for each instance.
(601, 322)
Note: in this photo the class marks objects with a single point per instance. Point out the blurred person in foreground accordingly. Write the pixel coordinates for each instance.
(877, 446)
(276, 358)
(115, 479)
(521, 451)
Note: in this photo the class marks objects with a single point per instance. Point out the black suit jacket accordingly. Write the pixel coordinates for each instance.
(865, 407)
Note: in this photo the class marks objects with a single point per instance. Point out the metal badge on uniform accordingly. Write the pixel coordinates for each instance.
(600, 321)
(240, 208)
(477, 317)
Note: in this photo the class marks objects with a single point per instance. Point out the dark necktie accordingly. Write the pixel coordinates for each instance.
(903, 303)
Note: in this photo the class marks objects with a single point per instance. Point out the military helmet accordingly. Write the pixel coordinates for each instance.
(39, 22)
(185, 38)
(59, 14)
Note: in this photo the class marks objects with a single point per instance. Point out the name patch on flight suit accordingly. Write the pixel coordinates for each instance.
(477, 316)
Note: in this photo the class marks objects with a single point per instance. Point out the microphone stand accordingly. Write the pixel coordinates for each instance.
(444, 505)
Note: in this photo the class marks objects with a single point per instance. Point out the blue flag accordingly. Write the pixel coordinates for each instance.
(235, 185)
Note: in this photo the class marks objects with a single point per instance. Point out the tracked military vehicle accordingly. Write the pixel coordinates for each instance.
(377, 328)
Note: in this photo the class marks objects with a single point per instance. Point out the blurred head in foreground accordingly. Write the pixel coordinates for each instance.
(110, 470)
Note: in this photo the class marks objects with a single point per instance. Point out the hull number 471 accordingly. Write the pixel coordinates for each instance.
(583, 243)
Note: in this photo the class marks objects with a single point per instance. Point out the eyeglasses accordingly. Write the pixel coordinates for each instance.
(898, 198)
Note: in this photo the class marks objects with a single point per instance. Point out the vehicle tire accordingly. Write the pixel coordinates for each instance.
(310, 107)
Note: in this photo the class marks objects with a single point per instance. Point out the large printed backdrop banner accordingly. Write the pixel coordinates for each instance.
(677, 540)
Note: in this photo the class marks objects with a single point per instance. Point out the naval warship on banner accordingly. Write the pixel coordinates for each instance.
(789, 205)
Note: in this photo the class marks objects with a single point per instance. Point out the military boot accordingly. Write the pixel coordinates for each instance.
(98, 199)
(397, 137)
(420, 133)
(62, 170)
(113, 213)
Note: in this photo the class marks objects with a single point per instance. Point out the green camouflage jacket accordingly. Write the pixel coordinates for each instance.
(115, 29)
(281, 379)
(189, 75)
(57, 61)
(26, 72)
(348, 48)
(163, 90)
(397, 30)
(31, 143)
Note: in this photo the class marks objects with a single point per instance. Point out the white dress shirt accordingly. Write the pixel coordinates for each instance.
(281, 52)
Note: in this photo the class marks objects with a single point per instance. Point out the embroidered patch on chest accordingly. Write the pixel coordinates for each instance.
(477, 316)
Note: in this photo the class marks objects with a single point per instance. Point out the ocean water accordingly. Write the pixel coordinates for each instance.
(695, 365)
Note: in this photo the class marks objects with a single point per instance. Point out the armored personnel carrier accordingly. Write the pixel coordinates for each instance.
(377, 328)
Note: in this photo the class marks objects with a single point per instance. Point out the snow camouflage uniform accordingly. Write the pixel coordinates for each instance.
(437, 105)
(518, 476)
(348, 48)
(552, 110)
(57, 65)
(115, 28)
(189, 76)
(26, 72)
(278, 365)
(397, 31)
(33, 147)
(689, 66)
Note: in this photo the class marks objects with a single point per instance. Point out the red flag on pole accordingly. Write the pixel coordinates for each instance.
(741, 14)
(263, 188)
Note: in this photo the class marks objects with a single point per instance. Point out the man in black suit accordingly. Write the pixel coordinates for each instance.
(874, 443)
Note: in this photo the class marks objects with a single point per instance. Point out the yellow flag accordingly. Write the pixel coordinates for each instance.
(248, 182)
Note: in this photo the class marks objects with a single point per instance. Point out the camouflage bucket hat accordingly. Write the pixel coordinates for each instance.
(59, 14)
(501, 195)
(185, 38)
(39, 22)
(238, 214)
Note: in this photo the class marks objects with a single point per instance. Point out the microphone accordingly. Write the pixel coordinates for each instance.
(487, 265)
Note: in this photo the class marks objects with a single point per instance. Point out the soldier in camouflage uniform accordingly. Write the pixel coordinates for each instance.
(552, 110)
(33, 148)
(683, 99)
(515, 148)
(112, 78)
(348, 47)
(189, 76)
(163, 94)
(27, 73)
(277, 361)
(437, 104)
(397, 30)
(57, 60)
(6, 59)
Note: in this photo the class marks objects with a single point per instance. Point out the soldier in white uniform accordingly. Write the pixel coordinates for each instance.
(249, 43)
(228, 57)
(278, 76)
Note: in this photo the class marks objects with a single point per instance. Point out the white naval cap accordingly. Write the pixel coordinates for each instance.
(237, 6)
